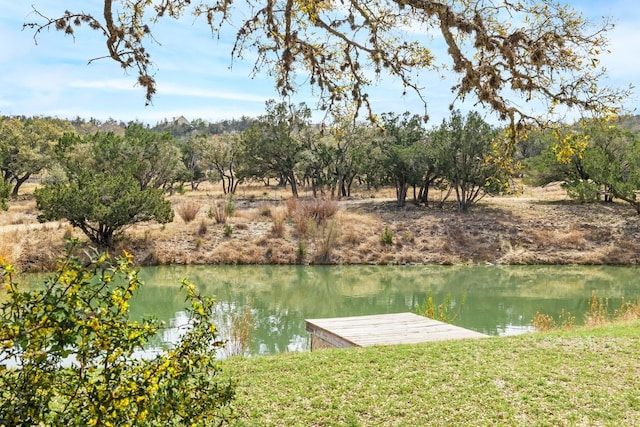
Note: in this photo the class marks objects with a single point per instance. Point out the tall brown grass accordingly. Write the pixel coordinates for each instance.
(292, 205)
(545, 322)
(218, 213)
(628, 310)
(306, 213)
(598, 311)
(9, 246)
(324, 248)
(236, 328)
(278, 217)
(265, 210)
(188, 211)
(320, 210)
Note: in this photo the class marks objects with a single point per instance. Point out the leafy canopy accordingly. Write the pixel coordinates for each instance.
(272, 145)
(597, 159)
(503, 54)
(101, 194)
(465, 151)
(26, 147)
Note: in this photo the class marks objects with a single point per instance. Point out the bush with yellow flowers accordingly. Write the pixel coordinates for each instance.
(68, 353)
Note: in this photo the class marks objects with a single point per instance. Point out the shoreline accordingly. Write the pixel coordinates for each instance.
(541, 227)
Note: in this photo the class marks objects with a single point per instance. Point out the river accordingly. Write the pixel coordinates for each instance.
(495, 300)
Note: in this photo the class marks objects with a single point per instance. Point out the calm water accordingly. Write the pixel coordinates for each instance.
(497, 300)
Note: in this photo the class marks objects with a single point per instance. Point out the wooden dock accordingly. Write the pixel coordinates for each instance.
(382, 329)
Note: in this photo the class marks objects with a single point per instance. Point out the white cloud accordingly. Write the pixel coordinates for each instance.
(199, 92)
(111, 85)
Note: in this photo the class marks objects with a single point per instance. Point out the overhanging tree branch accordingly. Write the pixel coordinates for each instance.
(502, 54)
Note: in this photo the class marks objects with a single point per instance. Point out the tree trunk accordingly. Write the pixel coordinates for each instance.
(340, 187)
(461, 195)
(401, 193)
(349, 183)
(423, 194)
(19, 182)
(294, 186)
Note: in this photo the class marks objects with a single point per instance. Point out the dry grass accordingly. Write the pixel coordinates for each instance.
(566, 239)
(544, 322)
(326, 244)
(307, 213)
(218, 213)
(242, 326)
(356, 229)
(249, 214)
(265, 210)
(202, 228)
(599, 314)
(188, 211)
(278, 216)
(9, 246)
(268, 226)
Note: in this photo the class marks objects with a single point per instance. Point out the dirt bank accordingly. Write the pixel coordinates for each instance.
(539, 227)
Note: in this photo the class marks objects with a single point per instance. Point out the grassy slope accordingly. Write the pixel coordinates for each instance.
(583, 377)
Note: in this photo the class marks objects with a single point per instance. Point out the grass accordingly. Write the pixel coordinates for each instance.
(278, 216)
(584, 377)
(539, 228)
(188, 211)
(218, 212)
(326, 243)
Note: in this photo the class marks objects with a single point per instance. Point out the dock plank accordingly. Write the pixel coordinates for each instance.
(384, 329)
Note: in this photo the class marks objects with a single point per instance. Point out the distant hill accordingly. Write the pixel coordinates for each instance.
(181, 127)
(631, 123)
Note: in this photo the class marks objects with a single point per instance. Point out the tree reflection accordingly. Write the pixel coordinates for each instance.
(499, 299)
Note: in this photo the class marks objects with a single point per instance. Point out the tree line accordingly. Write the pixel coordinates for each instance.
(104, 181)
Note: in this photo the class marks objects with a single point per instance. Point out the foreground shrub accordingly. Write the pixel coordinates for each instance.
(68, 353)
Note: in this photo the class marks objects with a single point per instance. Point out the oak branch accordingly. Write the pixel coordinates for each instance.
(502, 54)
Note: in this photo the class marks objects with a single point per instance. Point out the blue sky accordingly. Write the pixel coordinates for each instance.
(193, 73)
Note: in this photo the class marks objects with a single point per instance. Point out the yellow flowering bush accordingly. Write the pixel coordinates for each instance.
(68, 353)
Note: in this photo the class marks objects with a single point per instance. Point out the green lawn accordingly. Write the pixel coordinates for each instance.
(583, 377)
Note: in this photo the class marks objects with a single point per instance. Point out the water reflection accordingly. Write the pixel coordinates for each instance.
(498, 300)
